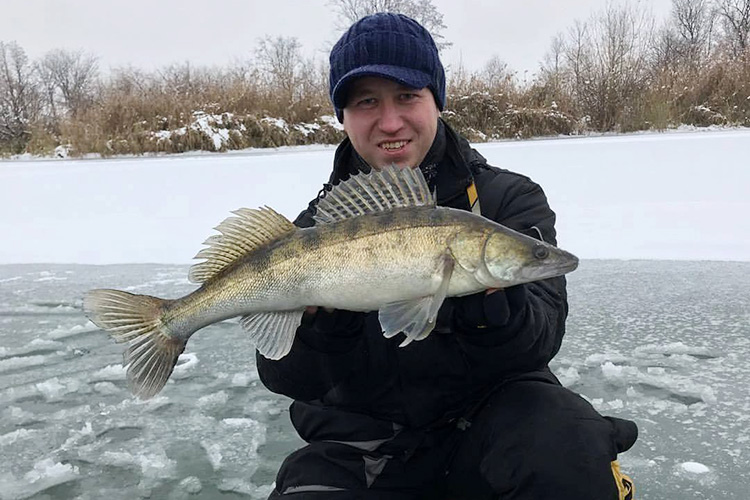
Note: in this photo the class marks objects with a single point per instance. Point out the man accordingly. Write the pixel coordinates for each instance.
(472, 411)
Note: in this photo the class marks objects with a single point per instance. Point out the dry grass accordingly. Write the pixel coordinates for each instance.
(185, 109)
(173, 113)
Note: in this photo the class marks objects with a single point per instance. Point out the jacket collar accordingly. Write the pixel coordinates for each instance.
(448, 165)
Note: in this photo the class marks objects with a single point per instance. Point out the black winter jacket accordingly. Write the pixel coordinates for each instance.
(350, 383)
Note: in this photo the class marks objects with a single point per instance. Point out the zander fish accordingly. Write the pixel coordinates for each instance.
(379, 243)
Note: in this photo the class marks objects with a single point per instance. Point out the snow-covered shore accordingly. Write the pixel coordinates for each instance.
(676, 196)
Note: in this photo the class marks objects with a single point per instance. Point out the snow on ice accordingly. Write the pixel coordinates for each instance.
(658, 329)
(646, 196)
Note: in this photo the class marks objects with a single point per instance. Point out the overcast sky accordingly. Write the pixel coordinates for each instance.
(154, 33)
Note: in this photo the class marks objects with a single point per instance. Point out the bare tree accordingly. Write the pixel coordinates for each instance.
(19, 98)
(603, 62)
(553, 60)
(495, 72)
(735, 19)
(552, 68)
(281, 64)
(179, 79)
(624, 36)
(578, 51)
(289, 77)
(70, 77)
(423, 11)
(693, 22)
(666, 49)
(49, 92)
(129, 80)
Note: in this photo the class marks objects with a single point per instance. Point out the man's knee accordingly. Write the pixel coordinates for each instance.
(317, 471)
(332, 471)
(547, 442)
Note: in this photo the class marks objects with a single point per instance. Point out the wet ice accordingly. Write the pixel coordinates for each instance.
(69, 427)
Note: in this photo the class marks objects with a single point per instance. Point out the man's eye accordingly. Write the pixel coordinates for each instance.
(367, 101)
(408, 96)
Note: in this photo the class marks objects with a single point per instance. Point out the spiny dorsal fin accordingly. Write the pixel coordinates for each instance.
(378, 191)
(251, 229)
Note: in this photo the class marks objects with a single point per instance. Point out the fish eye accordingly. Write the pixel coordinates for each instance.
(540, 252)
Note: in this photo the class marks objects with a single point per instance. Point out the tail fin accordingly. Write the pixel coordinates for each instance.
(136, 319)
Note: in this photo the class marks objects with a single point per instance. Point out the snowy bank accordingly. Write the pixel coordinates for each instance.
(680, 196)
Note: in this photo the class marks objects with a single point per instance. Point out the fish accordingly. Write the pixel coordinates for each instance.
(380, 242)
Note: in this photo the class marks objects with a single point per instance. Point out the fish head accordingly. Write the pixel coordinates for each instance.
(511, 258)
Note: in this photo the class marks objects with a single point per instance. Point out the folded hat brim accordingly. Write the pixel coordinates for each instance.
(407, 77)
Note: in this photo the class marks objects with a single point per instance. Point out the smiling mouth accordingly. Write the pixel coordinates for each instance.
(393, 146)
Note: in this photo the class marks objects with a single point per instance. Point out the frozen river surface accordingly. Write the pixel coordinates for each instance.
(663, 343)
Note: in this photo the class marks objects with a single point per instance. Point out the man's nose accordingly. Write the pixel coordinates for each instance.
(390, 120)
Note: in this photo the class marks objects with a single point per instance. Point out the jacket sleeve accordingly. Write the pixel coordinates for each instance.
(519, 328)
(327, 346)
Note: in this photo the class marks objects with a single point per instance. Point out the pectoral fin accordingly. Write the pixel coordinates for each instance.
(416, 318)
(273, 332)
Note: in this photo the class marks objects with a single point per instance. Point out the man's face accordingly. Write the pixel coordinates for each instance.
(389, 123)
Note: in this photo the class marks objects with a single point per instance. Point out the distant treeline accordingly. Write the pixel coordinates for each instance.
(615, 72)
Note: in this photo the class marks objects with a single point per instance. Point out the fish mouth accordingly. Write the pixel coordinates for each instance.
(568, 267)
(546, 270)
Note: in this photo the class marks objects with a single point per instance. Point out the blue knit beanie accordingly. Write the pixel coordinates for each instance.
(390, 46)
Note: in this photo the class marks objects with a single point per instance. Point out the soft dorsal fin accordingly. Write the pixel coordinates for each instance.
(380, 190)
(251, 229)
